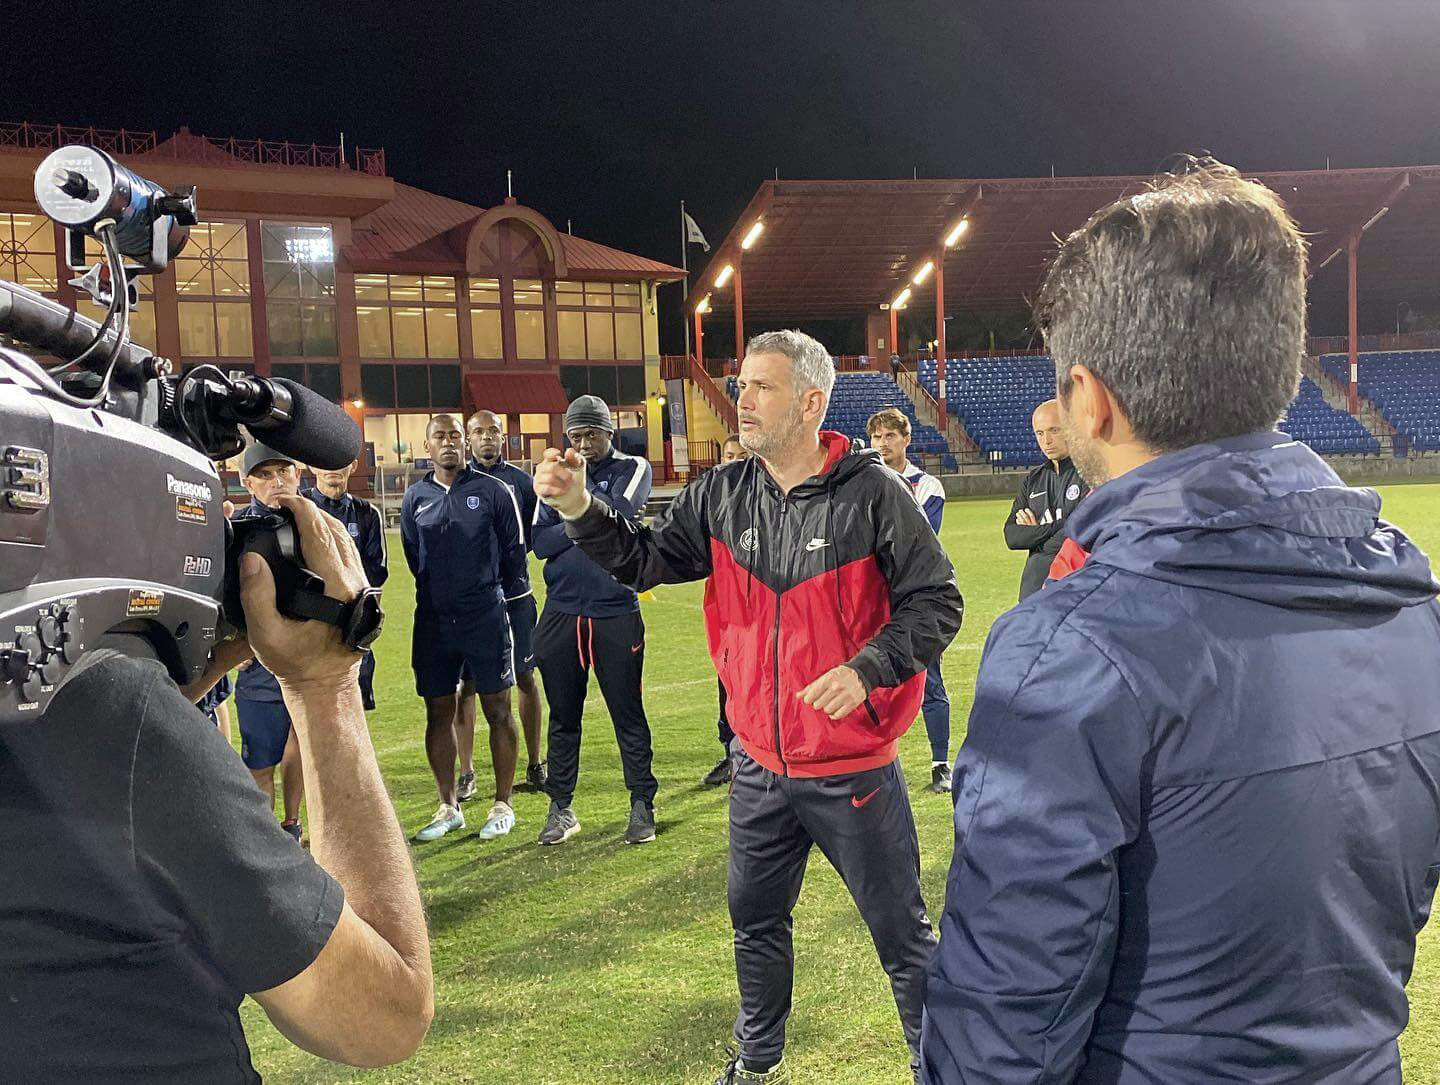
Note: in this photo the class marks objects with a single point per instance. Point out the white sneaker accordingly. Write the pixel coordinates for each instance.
(447, 819)
(498, 822)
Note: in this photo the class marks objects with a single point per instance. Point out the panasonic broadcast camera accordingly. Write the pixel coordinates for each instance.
(111, 507)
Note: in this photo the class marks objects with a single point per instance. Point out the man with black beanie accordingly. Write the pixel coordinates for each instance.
(590, 620)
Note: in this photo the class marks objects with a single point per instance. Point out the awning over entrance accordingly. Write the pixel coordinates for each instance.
(516, 393)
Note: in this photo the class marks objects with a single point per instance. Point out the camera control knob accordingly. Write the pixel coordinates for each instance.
(15, 664)
(48, 629)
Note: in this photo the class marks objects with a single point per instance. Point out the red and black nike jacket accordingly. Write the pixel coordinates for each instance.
(843, 569)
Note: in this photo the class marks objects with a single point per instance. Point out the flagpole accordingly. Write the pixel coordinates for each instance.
(685, 282)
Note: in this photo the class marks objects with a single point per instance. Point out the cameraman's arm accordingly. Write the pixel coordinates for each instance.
(368, 997)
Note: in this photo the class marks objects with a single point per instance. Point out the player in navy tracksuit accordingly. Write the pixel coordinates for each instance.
(889, 432)
(463, 541)
(724, 770)
(362, 521)
(592, 621)
(485, 434)
(266, 737)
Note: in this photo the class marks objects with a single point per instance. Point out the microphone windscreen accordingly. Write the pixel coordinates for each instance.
(319, 433)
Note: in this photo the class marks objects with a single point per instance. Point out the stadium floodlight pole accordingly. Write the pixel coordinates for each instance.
(940, 331)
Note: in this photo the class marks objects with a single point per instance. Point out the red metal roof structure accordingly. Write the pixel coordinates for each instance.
(835, 249)
(517, 393)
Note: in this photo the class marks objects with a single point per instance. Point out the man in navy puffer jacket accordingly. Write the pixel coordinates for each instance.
(1198, 806)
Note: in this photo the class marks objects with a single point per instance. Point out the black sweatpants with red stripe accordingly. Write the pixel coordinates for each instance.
(566, 647)
(863, 824)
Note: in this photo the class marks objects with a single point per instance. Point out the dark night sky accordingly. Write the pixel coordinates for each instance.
(611, 113)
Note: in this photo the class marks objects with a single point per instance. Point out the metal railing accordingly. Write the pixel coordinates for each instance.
(187, 147)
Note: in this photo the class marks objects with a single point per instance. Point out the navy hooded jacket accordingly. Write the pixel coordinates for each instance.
(574, 583)
(1198, 806)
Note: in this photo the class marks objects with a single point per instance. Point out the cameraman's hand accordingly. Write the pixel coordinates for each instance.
(301, 653)
(560, 483)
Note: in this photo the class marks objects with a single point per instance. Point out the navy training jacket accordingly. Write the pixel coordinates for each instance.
(1198, 806)
(574, 583)
(465, 545)
(362, 521)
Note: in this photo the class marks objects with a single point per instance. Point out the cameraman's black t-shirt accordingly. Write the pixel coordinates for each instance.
(143, 888)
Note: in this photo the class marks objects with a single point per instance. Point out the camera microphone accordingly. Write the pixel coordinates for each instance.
(292, 419)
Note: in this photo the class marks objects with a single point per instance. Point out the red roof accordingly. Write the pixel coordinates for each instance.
(839, 248)
(517, 393)
(421, 232)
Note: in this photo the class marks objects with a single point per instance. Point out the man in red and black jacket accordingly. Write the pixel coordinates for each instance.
(829, 596)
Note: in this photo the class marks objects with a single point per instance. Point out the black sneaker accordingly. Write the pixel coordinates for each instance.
(736, 1074)
(537, 776)
(293, 828)
(940, 781)
(720, 774)
(641, 829)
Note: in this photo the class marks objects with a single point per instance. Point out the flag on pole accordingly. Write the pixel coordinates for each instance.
(693, 234)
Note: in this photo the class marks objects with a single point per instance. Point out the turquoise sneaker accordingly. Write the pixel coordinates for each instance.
(447, 819)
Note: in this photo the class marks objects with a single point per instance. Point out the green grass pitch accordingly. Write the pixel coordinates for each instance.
(611, 965)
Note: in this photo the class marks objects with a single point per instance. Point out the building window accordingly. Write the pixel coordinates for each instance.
(322, 378)
(27, 251)
(435, 387)
(299, 288)
(599, 321)
(529, 298)
(212, 279)
(487, 340)
(407, 316)
(612, 383)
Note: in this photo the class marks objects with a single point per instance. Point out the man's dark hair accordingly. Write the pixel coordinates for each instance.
(888, 418)
(733, 439)
(1187, 301)
(430, 425)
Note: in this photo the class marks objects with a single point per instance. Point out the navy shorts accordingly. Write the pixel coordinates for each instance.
(264, 730)
(523, 615)
(443, 649)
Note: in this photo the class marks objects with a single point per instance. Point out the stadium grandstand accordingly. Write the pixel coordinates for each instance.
(877, 251)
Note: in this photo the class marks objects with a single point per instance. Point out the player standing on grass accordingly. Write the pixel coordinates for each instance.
(889, 433)
(463, 541)
(829, 597)
(731, 451)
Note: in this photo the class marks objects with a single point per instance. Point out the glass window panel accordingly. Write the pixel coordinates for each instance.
(627, 294)
(534, 423)
(230, 241)
(306, 252)
(439, 288)
(529, 292)
(197, 330)
(374, 325)
(530, 333)
(570, 330)
(27, 251)
(283, 321)
(597, 294)
(232, 278)
(600, 335)
(408, 327)
(631, 384)
(294, 371)
(319, 330)
(371, 288)
(485, 291)
(604, 383)
(381, 433)
(575, 379)
(627, 336)
(281, 281)
(442, 334)
(193, 277)
(412, 433)
(324, 379)
(377, 385)
(412, 386)
(445, 386)
(563, 287)
(405, 288)
(485, 331)
(232, 324)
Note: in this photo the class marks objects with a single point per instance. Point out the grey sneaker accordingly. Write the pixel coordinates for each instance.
(641, 829)
(560, 826)
(465, 787)
(720, 774)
